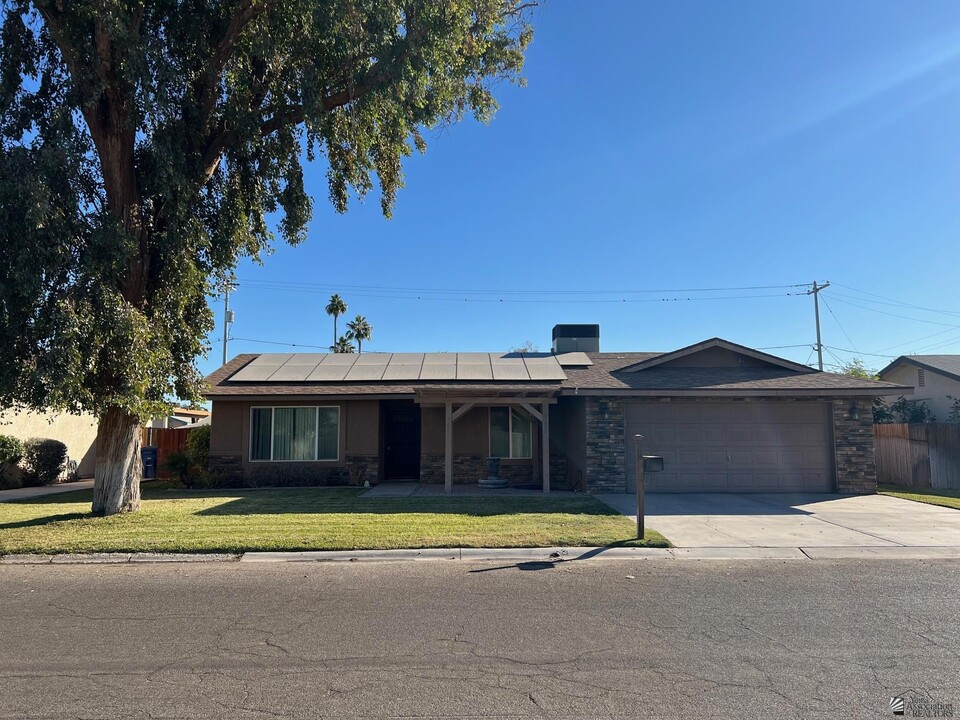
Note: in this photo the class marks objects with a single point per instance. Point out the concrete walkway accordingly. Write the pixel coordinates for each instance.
(805, 520)
(43, 490)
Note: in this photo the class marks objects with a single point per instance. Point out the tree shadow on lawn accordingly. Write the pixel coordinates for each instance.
(45, 520)
(259, 502)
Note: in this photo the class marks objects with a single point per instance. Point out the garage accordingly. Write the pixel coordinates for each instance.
(735, 447)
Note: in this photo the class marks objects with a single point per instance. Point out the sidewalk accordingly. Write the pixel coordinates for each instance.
(522, 558)
(43, 490)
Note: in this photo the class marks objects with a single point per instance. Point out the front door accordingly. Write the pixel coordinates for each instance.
(401, 441)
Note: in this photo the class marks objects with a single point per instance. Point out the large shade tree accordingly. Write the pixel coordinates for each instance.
(145, 144)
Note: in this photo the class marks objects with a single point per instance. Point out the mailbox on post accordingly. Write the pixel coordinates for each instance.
(645, 464)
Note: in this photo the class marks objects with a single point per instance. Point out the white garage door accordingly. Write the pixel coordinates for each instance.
(762, 446)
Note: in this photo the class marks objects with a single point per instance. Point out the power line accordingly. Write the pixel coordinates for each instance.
(903, 317)
(837, 320)
(893, 301)
(276, 342)
(551, 301)
(857, 352)
(462, 291)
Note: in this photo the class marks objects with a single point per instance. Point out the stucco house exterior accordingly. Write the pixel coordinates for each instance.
(725, 417)
(935, 379)
(77, 432)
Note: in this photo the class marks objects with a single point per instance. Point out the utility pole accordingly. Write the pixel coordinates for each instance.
(816, 309)
(227, 320)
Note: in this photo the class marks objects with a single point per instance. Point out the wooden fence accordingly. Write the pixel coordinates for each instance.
(926, 456)
(166, 440)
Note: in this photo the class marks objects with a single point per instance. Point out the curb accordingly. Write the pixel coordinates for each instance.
(514, 555)
(115, 558)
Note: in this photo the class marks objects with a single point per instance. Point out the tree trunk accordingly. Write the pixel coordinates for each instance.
(119, 468)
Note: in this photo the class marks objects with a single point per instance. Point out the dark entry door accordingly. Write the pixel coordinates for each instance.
(401, 441)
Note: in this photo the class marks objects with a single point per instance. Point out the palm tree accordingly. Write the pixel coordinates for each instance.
(360, 330)
(342, 345)
(336, 307)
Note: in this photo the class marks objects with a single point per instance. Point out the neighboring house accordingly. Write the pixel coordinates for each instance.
(935, 379)
(181, 417)
(726, 418)
(77, 432)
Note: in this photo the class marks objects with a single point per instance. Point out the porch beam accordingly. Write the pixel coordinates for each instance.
(448, 449)
(530, 409)
(461, 411)
(545, 442)
(441, 401)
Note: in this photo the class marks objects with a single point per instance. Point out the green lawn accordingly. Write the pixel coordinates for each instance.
(309, 519)
(946, 498)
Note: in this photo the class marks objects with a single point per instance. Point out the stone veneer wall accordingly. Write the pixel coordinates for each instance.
(606, 455)
(853, 447)
(470, 469)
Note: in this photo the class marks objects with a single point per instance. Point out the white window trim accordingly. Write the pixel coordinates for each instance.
(509, 410)
(316, 448)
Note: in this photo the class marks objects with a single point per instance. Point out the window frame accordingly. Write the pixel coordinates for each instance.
(316, 445)
(510, 410)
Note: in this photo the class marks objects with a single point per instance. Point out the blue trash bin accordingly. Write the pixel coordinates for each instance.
(148, 456)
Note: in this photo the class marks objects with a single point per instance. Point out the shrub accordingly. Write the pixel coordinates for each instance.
(43, 461)
(912, 411)
(178, 463)
(198, 446)
(11, 451)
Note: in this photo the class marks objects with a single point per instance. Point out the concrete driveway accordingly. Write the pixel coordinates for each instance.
(794, 520)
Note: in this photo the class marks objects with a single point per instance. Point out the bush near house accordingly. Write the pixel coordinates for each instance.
(198, 447)
(11, 451)
(43, 461)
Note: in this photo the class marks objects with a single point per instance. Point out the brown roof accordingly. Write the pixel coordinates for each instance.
(608, 374)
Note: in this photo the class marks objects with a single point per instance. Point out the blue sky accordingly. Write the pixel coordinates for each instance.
(663, 147)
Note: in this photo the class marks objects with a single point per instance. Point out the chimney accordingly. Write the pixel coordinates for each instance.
(576, 338)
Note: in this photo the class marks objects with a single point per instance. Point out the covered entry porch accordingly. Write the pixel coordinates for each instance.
(457, 403)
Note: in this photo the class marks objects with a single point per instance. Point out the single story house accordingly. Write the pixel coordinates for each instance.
(725, 417)
(935, 380)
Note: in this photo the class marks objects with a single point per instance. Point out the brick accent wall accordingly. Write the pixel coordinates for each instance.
(431, 468)
(853, 447)
(470, 469)
(227, 469)
(606, 455)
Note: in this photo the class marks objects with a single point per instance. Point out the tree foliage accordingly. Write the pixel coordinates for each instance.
(905, 410)
(336, 307)
(143, 145)
(360, 330)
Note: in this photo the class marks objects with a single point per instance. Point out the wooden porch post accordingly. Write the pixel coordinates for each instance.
(545, 443)
(448, 450)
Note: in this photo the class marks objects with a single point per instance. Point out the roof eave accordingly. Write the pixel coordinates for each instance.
(906, 359)
(717, 342)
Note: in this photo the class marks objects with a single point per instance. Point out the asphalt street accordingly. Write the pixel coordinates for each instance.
(581, 639)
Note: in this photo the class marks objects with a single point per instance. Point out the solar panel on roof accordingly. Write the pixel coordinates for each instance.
(473, 358)
(366, 372)
(440, 359)
(574, 359)
(474, 371)
(292, 373)
(328, 372)
(253, 373)
(274, 359)
(410, 367)
(340, 359)
(436, 371)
